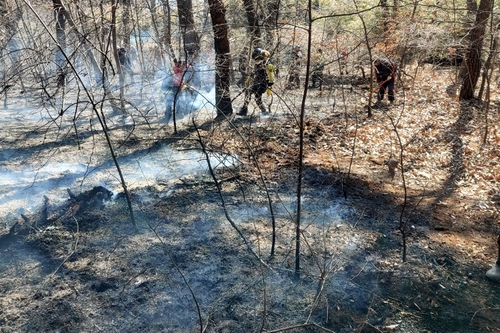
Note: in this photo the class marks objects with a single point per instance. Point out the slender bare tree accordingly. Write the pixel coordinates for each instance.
(60, 60)
(472, 65)
(126, 20)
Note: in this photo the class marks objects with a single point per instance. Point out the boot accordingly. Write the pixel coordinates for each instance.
(243, 111)
(220, 117)
(377, 105)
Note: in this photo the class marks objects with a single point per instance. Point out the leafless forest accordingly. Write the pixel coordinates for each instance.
(136, 197)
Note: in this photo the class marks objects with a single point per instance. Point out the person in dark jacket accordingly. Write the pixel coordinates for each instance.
(318, 66)
(125, 63)
(260, 81)
(385, 73)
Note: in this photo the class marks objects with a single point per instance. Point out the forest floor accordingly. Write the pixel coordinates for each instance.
(200, 260)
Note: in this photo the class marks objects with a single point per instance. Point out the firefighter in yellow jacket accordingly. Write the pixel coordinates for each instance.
(260, 82)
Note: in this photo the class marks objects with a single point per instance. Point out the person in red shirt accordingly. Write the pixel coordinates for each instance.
(172, 86)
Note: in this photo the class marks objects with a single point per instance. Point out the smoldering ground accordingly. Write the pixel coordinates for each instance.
(56, 145)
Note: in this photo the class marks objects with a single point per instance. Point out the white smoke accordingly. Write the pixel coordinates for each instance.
(197, 94)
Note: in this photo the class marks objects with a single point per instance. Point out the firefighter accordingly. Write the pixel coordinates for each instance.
(125, 63)
(260, 81)
(172, 86)
(318, 68)
(385, 73)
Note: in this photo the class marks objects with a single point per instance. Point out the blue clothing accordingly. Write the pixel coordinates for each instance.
(171, 92)
(389, 85)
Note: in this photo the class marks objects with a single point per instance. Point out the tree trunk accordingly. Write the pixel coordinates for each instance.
(188, 29)
(82, 37)
(490, 60)
(222, 58)
(271, 23)
(472, 64)
(126, 25)
(60, 59)
(167, 28)
(253, 27)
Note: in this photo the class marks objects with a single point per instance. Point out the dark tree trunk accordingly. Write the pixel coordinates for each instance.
(222, 58)
(167, 27)
(188, 29)
(253, 26)
(489, 64)
(472, 65)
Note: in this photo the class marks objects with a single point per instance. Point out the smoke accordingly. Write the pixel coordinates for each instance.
(24, 186)
(28, 176)
(197, 93)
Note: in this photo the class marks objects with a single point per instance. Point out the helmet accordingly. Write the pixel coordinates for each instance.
(260, 54)
(257, 54)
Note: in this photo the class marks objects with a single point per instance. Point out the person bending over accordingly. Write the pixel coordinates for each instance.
(385, 73)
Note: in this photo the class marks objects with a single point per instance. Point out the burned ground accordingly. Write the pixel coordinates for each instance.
(77, 265)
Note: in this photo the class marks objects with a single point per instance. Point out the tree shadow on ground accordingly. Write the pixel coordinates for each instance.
(436, 290)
